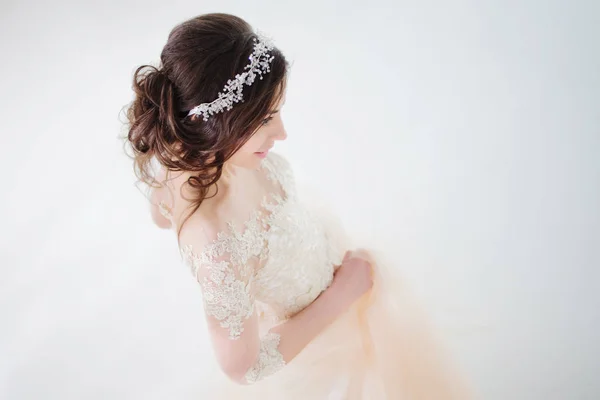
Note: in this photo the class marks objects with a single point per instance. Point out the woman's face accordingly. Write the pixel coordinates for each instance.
(255, 150)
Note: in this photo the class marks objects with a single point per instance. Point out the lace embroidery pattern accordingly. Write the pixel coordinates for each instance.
(269, 359)
(278, 170)
(277, 265)
(227, 291)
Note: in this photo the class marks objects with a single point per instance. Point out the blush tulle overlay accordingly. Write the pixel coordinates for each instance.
(381, 348)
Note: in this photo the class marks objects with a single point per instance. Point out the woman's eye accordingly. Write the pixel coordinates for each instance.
(266, 120)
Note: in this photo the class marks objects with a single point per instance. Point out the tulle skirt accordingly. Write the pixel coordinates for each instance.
(381, 348)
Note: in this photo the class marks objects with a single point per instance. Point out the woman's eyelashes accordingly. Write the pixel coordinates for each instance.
(266, 120)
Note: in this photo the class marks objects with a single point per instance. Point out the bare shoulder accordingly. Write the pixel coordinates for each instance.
(199, 240)
(232, 204)
(201, 228)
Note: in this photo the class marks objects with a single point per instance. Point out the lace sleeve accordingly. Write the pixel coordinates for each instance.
(224, 269)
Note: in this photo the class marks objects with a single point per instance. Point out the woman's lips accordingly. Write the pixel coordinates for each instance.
(262, 154)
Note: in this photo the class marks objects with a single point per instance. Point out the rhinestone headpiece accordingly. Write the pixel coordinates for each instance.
(259, 64)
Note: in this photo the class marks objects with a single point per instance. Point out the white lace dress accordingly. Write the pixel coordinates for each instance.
(260, 268)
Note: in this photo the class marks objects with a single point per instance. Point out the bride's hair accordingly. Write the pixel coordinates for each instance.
(200, 56)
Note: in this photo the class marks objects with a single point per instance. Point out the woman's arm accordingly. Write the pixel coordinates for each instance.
(285, 341)
(351, 281)
(303, 327)
(225, 279)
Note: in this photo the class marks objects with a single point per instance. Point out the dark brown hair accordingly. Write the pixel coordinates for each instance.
(200, 56)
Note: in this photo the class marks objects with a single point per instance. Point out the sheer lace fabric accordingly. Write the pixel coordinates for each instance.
(274, 263)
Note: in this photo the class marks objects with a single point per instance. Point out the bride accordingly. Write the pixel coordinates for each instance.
(292, 311)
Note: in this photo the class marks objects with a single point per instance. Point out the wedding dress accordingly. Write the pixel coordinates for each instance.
(264, 265)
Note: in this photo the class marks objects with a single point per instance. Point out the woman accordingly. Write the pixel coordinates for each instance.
(292, 312)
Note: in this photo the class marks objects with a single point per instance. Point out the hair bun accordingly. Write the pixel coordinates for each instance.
(155, 90)
(153, 111)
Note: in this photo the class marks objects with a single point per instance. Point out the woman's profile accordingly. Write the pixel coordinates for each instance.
(295, 309)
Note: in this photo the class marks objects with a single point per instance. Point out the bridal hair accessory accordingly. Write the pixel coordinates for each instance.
(259, 64)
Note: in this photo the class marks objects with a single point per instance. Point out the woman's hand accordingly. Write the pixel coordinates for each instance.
(158, 217)
(353, 278)
(158, 206)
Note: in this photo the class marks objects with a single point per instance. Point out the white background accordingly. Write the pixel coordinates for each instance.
(461, 136)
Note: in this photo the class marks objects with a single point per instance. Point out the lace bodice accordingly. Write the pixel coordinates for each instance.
(271, 265)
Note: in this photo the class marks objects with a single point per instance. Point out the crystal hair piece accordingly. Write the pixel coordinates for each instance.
(259, 64)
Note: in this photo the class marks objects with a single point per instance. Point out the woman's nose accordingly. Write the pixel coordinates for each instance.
(281, 135)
